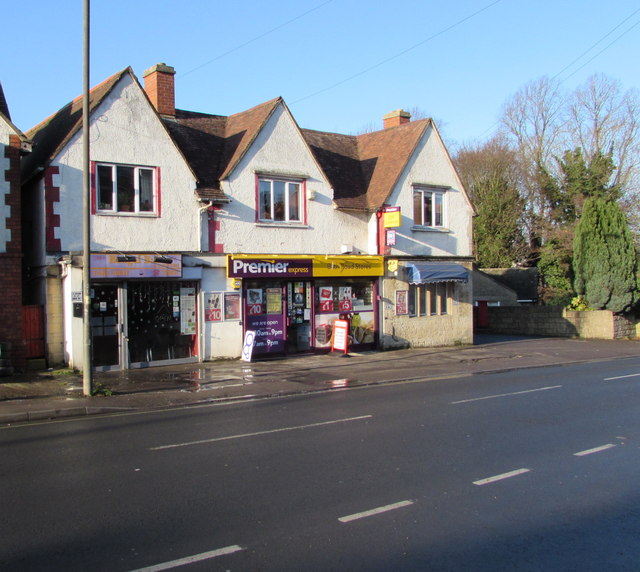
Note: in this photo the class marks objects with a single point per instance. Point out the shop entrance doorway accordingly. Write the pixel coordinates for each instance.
(161, 322)
(105, 330)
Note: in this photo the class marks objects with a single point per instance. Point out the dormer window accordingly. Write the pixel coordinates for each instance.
(280, 200)
(122, 189)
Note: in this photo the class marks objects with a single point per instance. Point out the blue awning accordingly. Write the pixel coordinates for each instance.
(430, 272)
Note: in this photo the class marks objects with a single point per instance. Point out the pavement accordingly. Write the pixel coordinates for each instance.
(35, 396)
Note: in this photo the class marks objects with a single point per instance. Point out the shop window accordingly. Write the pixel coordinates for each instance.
(280, 200)
(429, 299)
(125, 189)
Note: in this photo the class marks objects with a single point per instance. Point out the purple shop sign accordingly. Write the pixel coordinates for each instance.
(270, 332)
(270, 268)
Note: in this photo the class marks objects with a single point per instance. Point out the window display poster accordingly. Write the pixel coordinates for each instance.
(269, 333)
(345, 293)
(232, 305)
(274, 300)
(187, 311)
(402, 302)
(213, 307)
(254, 301)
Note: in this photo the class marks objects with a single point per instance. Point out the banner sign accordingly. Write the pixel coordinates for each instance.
(136, 266)
(301, 266)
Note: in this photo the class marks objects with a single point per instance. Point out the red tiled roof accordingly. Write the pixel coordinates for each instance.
(363, 169)
(52, 134)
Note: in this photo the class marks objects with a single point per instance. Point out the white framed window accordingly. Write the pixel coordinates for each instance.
(126, 189)
(280, 200)
(429, 299)
(429, 207)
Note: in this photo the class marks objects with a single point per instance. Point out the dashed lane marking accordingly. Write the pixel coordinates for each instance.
(506, 394)
(375, 511)
(501, 477)
(594, 450)
(191, 559)
(257, 433)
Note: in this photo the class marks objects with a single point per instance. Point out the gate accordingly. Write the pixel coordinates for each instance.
(33, 323)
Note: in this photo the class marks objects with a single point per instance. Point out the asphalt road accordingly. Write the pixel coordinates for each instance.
(526, 470)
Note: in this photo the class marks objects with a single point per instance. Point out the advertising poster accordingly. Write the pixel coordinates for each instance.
(402, 302)
(187, 311)
(269, 333)
(232, 306)
(274, 300)
(213, 306)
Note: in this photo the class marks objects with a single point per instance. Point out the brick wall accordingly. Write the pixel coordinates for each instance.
(11, 328)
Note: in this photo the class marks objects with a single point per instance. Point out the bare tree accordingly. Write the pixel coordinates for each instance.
(603, 118)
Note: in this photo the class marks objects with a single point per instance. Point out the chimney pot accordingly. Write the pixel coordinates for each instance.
(159, 85)
(395, 118)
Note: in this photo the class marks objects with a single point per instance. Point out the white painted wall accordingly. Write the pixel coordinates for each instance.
(125, 129)
(280, 149)
(431, 165)
(5, 210)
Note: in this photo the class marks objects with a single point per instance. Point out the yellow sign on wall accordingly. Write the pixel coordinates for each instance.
(392, 217)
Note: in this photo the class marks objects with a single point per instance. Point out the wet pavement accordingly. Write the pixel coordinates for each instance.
(48, 395)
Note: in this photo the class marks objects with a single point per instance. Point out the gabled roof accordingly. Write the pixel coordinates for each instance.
(4, 108)
(364, 169)
(52, 134)
(214, 144)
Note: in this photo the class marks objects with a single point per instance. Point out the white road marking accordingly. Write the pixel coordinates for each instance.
(621, 376)
(505, 394)
(594, 450)
(495, 478)
(257, 433)
(375, 511)
(191, 559)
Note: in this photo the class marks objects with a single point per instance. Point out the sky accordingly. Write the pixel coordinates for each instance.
(340, 65)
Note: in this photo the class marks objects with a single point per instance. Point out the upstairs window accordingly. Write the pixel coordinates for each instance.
(280, 200)
(429, 207)
(126, 189)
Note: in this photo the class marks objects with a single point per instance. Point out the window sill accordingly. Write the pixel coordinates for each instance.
(127, 213)
(281, 224)
(420, 228)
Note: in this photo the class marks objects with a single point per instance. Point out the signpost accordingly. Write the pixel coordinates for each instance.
(340, 336)
(247, 348)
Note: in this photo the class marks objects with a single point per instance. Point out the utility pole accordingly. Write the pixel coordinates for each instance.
(87, 382)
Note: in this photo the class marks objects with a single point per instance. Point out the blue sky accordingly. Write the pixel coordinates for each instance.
(339, 64)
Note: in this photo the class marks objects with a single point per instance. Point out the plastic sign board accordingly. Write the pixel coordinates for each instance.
(247, 348)
(391, 217)
(340, 336)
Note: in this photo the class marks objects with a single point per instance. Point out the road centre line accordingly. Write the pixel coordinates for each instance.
(257, 433)
(506, 394)
(375, 511)
(594, 450)
(621, 376)
(191, 559)
(501, 477)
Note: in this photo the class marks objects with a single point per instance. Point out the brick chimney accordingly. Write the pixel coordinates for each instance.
(160, 87)
(395, 118)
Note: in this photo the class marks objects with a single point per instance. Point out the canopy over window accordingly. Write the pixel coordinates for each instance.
(429, 272)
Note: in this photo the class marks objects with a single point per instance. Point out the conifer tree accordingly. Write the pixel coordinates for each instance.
(604, 257)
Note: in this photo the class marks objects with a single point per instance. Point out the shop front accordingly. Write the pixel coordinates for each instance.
(143, 312)
(292, 302)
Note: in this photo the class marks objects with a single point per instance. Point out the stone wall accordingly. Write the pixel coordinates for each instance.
(555, 321)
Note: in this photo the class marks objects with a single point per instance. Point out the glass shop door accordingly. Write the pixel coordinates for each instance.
(105, 327)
